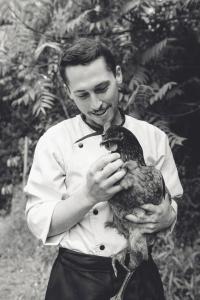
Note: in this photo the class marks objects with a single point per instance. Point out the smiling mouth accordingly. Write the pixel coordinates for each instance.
(100, 112)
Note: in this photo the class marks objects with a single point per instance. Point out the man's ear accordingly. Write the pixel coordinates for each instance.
(119, 77)
(67, 89)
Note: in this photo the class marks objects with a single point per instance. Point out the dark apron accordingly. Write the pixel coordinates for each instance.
(77, 276)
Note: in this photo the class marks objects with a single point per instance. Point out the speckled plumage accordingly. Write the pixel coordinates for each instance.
(142, 184)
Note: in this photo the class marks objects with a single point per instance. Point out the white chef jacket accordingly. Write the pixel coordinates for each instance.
(59, 168)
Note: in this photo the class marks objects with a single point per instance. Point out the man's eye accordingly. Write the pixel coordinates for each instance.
(101, 90)
(83, 96)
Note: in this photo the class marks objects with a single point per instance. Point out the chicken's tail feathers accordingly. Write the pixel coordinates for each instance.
(137, 244)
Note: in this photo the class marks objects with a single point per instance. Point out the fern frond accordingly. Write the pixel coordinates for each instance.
(44, 101)
(6, 8)
(77, 22)
(61, 16)
(174, 139)
(5, 62)
(18, 92)
(191, 2)
(176, 91)
(27, 98)
(5, 80)
(38, 108)
(154, 52)
(162, 92)
(140, 75)
(127, 7)
(22, 100)
(43, 46)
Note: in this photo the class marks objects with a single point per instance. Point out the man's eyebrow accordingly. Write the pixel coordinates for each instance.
(103, 83)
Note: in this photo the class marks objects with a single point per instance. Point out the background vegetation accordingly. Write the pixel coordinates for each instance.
(157, 43)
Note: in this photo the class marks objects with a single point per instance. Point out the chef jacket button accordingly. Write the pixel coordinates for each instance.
(102, 247)
(95, 211)
(80, 145)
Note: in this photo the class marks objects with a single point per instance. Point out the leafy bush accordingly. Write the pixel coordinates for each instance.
(157, 45)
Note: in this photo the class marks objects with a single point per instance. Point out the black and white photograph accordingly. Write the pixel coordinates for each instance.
(99, 150)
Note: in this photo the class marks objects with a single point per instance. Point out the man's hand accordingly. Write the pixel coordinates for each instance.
(154, 217)
(102, 178)
(100, 186)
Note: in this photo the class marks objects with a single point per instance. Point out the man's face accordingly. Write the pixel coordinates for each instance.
(94, 89)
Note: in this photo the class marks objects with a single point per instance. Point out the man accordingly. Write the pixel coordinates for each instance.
(73, 177)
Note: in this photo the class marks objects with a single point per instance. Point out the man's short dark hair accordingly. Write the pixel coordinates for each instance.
(84, 51)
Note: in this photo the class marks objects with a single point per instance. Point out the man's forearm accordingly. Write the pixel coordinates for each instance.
(69, 212)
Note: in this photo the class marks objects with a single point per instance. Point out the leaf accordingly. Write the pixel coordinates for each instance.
(38, 108)
(144, 94)
(154, 52)
(76, 22)
(178, 262)
(129, 6)
(190, 2)
(162, 92)
(5, 80)
(174, 139)
(140, 75)
(175, 91)
(178, 283)
(43, 46)
(171, 277)
(22, 100)
(31, 93)
(197, 279)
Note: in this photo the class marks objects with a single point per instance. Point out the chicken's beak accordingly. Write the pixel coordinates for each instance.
(108, 140)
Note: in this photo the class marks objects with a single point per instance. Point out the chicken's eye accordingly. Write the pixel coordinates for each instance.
(112, 146)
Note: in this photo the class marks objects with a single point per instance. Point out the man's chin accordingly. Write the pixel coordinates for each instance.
(95, 121)
(101, 119)
(111, 116)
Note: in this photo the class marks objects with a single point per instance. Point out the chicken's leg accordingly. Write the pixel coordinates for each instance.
(119, 295)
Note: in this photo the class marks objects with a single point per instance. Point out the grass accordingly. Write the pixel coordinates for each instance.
(25, 263)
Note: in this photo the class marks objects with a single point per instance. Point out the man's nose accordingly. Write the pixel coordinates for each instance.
(96, 103)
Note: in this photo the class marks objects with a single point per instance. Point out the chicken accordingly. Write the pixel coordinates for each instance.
(142, 184)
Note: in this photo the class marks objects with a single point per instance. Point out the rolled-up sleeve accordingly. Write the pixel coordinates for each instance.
(45, 188)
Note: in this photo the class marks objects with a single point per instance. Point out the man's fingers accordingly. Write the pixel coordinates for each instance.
(150, 207)
(148, 228)
(111, 168)
(103, 161)
(115, 189)
(141, 219)
(117, 176)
